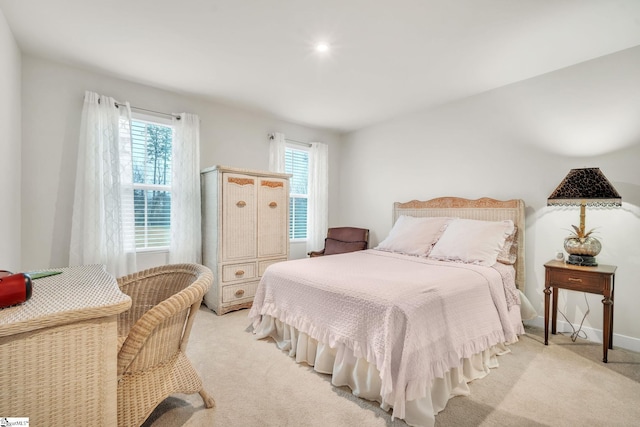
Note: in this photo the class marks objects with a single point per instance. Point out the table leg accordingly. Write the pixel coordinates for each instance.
(606, 339)
(547, 291)
(554, 311)
(611, 320)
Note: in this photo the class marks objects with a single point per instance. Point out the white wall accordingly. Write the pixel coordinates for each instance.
(10, 145)
(52, 105)
(519, 141)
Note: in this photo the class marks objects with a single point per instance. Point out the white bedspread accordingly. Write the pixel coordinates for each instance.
(413, 318)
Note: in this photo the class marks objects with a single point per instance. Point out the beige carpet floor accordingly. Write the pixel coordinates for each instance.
(256, 384)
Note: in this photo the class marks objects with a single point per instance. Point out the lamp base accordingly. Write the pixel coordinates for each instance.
(585, 260)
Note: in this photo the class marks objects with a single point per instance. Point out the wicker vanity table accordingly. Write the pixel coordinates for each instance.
(58, 350)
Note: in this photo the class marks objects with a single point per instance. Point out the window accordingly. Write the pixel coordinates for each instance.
(296, 162)
(151, 158)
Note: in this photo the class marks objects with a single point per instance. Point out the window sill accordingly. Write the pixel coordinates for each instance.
(152, 250)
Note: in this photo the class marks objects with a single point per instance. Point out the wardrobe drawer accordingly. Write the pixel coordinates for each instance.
(231, 272)
(241, 291)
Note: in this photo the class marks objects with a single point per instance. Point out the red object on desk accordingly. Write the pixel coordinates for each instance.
(14, 288)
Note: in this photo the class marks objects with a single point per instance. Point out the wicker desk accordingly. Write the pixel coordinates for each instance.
(58, 350)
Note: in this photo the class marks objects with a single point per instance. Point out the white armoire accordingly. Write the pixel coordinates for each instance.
(245, 228)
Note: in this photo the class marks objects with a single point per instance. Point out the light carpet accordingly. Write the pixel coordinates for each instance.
(256, 384)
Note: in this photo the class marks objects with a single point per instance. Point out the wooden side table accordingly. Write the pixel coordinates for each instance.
(595, 280)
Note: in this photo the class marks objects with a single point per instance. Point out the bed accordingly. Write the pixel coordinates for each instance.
(410, 322)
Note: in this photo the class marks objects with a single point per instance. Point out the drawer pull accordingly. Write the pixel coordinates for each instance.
(273, 205)
(239, 272)
(239, 293)
(574, 279)
(241, 204)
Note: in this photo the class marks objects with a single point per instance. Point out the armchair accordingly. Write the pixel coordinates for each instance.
(342, 240)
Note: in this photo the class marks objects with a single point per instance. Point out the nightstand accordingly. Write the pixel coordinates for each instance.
(594, 280)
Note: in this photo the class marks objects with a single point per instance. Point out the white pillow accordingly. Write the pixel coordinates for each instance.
(472, 241)
(414, 236)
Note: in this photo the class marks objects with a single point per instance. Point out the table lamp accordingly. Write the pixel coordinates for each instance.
(584, 187)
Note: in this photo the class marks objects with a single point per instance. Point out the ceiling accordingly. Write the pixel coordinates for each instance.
(386, 58)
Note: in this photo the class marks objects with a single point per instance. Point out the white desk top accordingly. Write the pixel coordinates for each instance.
(79, 293)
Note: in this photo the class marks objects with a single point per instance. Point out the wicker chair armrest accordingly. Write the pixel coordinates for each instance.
(144, 326)
(134, 285)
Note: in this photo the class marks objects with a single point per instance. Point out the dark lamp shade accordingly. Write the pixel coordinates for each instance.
(586, 186)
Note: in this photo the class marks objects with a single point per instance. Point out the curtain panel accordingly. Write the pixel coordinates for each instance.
(318, 203)
(103, 228)
(277, 153)
(186, 235)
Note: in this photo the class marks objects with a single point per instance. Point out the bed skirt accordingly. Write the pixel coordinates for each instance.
(363, 378)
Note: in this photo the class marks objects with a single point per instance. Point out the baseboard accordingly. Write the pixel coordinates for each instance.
(595, 335)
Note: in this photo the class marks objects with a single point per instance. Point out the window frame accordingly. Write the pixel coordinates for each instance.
(307, 149)
(161, 121)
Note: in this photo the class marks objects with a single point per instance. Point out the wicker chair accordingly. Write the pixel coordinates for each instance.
(153, 337)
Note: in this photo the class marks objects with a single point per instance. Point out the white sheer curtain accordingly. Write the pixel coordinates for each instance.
(318, 203)
(102, 228)
(276, 153)
(186, 234)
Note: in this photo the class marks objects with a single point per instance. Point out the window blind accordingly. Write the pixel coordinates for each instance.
(297, 164)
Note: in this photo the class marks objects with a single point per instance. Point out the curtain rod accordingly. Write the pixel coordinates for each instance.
(306, 144)
(177, 116)
(118, 104)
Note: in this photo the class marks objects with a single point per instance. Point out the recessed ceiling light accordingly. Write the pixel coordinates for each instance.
(322, 47)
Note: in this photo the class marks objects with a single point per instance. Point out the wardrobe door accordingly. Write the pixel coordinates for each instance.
(239, 220)
(273, 217)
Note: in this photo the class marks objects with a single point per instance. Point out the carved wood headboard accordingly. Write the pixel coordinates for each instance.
(485, 209)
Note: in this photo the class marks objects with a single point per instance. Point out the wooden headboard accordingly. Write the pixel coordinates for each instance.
(485, 209)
